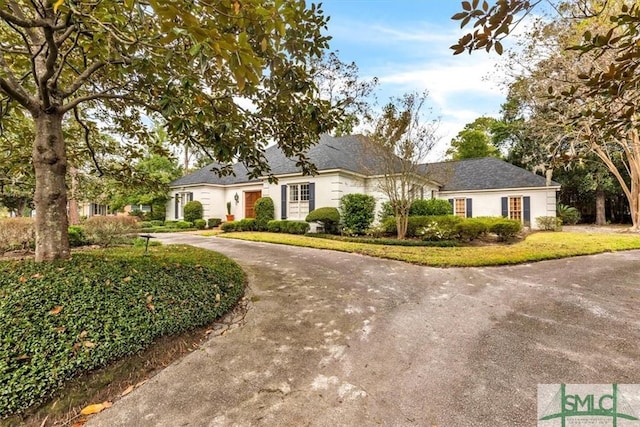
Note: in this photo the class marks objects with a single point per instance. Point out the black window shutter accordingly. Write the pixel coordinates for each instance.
(505, 207)
(451, 201)
(283, 202)
(526, 211)
(177, 205)
(469, 208)
(312, 196)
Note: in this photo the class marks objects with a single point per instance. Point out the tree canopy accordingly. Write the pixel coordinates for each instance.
(475, 140)
(581, 88)
(222, 75)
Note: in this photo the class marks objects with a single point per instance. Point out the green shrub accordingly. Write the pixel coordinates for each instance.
(76, 236)
(358, 211)
(214, 222)
(506, 229)
(192, 211)
(170, 224)
(433, 226)
(568, 214)
(183, 225)
(17, 233)
(145, 224)
(386, 211)
(430, 207)
(274, 226)
(246, 224)
(61, 319)
(549, 223)
(141, 242)
(288, 226)
(296, 227)
(107, 230)
(229, 226)
(157, 223)
(439, 227)
(471, 229)
(265, 212)
(329, 217)
(200, 224)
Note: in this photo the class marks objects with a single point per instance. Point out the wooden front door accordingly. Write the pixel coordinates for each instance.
(250, 198)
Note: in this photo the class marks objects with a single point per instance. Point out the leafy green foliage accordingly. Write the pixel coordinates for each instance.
(506, 229)
(107, 230)
(16, 233)
(265, 212)
(471, 229)
(549, 223)
(183, 225)
(358, 212)
(67, 317)
(213, 222)
(288, 226)
(186, 66)
(192, 211)
(443, 227)
(423, 207)
(200, 224)
(76, 236)
(474, 141)
(328, 216)
(568, 214)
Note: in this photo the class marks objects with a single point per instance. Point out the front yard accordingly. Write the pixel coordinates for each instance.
(536, 247)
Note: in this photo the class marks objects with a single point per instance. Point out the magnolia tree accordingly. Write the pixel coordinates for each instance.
(226, 76)
(587, 85)
(400, 139)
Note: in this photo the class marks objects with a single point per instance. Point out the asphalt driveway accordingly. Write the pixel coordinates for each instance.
(335, 339)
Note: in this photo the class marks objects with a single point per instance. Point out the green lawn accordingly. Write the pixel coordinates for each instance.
(536, 247)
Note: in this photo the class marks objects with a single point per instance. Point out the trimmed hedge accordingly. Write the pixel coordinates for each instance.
(422, 207)
(471, 229)
(63, 318)
(200, 224)
(288, 226)
(183, 225)
(17, 233)
(448, 227)
(329, 217)
(247, 224)
(192, 211)
(265, 212)
(76, 236)
(214, 222)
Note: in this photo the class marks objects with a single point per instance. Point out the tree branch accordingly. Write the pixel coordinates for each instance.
(85, 75)
(12, 87)
(105, 95)
(87, 141)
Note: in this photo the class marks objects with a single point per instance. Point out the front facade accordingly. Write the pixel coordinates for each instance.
(478, 187)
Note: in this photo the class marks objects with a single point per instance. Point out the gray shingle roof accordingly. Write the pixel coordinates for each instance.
(350, 154)
(482, 174)
(346, 153)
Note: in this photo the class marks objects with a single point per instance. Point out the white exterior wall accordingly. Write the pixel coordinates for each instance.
(214, 199)
(489, 202)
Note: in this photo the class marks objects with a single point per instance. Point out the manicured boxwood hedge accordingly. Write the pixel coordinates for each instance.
(63, 318)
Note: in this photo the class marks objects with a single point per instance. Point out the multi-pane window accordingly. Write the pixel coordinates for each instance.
(460, 208)
(299, 192)
(515, 208)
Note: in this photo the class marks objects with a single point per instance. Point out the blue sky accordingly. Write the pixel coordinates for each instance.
(405, 43)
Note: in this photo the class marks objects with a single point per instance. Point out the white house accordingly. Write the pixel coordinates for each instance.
(476, 187)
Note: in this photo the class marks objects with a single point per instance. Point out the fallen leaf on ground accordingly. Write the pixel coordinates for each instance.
(95, 408)
(88, 344)
(127, 390)
(55, 310)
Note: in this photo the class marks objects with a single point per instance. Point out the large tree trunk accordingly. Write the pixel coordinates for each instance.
(50, 198)
(601, 217)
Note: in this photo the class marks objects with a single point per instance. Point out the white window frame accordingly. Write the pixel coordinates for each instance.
(510, 212)
(298, 199)
(462, 214)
